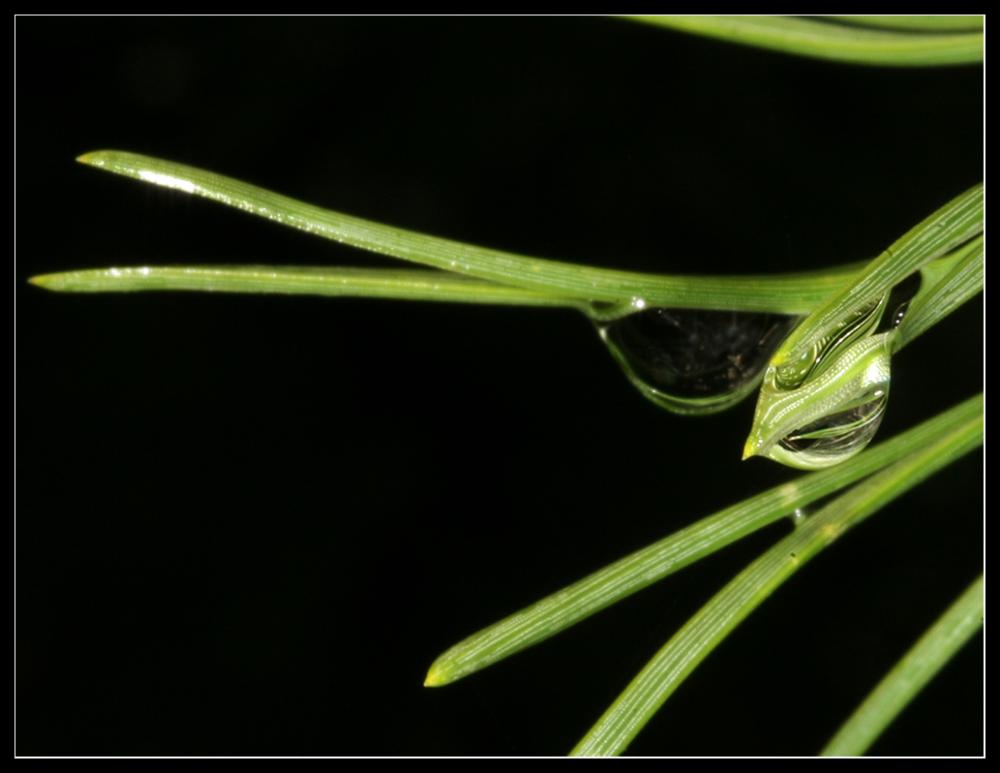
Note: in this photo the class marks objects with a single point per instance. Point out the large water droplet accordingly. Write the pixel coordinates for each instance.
(695, 361)
(829, 418)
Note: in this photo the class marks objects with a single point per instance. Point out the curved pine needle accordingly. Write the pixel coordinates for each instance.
(729, 607)
(786, 293)
(641, 569)
(823, 40)
(911, 674)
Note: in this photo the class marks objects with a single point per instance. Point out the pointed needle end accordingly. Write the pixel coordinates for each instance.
(96, 158)
(434, 677)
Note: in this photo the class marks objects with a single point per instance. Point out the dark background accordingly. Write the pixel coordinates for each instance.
(248, 525)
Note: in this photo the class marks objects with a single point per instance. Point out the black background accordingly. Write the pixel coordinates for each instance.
(248, 525)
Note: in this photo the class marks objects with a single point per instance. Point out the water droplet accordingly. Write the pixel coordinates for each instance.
(829, 418)
(695, 361)
(840, 435)
(799, 517)
(899, 302)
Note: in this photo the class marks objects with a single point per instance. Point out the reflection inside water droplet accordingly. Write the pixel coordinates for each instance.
(813, 360)
(877, 316)
(839, 435)
(695, 361)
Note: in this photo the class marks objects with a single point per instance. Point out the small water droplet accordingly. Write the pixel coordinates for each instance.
(695, 361)
(799, 517)
(899, 302)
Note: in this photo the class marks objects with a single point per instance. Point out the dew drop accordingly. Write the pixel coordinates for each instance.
(799, 516)
(899, 302)
(695, 361)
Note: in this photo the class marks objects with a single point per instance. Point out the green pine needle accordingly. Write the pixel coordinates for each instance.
(911, 674)
(794, 293)
(822, 39)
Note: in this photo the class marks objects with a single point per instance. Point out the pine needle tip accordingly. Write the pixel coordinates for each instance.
(434, 677)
